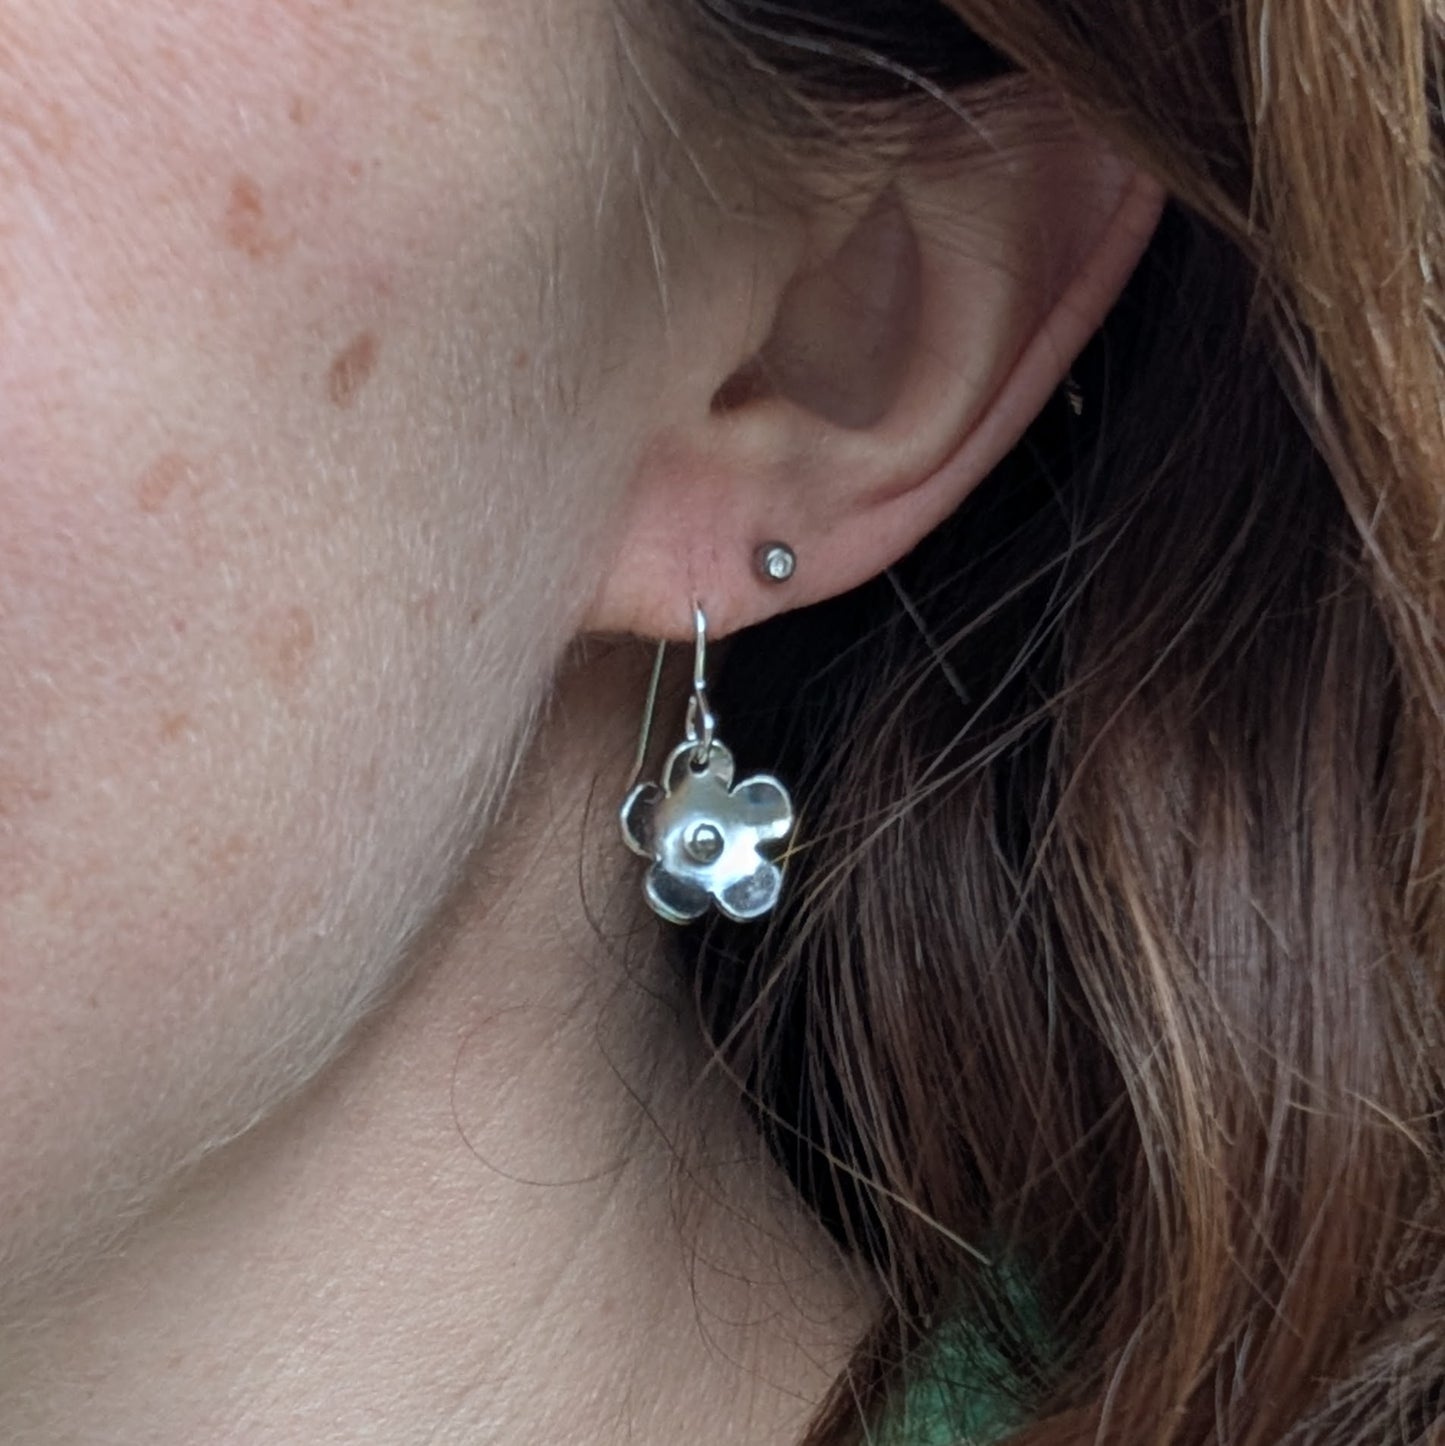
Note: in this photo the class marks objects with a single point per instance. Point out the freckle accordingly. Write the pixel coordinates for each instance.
(228, 854)
(44, 129)
(354, 170)
(352, 369)
(476, 616)
(302, 110)
(285, 643)
(521, 360)
(59, 132)
(18, 793)
(175, 726)
(158, 483)
(247, 228)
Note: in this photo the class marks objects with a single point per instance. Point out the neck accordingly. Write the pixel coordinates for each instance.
(508, 1212)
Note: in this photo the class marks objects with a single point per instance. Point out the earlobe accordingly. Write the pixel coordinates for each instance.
(900, 366)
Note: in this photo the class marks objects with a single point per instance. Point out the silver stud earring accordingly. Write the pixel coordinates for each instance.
(776, 562)
(712, 841)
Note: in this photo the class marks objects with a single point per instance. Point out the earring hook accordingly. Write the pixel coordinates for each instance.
(701, 721)
(644, 738)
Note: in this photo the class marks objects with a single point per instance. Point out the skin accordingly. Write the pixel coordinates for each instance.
(343, 397)
(240, 324)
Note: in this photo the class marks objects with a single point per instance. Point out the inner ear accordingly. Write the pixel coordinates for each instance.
(845, 332)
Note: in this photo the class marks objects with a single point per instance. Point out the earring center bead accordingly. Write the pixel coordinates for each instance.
(704, 843)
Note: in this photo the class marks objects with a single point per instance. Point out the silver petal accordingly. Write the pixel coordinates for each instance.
(752, 896)
(675, 899)
(680, 773)
(638, 815)
(762, 804)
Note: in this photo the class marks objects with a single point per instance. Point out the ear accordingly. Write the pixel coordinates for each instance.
(905, 351)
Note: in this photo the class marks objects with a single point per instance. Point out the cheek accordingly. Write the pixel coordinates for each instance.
(192, 769)
(213, 832)
(272, 481)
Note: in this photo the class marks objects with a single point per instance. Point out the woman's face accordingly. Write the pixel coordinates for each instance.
(313, 421)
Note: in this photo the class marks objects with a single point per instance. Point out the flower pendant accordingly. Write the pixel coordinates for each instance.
(711, 841)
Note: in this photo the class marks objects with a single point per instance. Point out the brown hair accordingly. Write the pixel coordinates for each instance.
(1105, 1015)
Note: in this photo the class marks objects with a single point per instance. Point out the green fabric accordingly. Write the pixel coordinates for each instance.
(959, 1389)
(953, 1397)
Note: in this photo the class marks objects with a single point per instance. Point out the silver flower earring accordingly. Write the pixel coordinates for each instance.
(712, 840)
